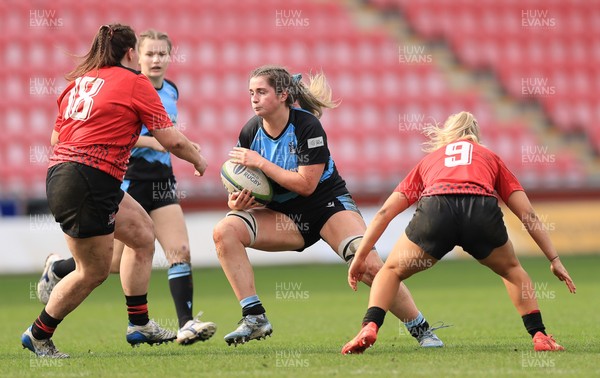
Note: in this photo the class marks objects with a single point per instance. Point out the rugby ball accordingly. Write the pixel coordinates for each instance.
(236, 177)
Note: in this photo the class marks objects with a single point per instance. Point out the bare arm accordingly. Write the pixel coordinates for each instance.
(394, 205)
(303, 182)
(180, 146)
(519, 204)
(145, 141)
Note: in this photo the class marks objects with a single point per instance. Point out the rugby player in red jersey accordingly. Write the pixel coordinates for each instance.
(100, 116)
(455, 186)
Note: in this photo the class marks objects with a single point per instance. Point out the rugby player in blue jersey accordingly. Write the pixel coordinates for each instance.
(286, 141)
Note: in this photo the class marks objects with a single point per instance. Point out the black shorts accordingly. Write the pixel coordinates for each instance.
(473, 222)
(311, 217)
(84, 200)
(152, 194)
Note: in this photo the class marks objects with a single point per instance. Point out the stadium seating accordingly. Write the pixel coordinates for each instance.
(375, 133)
(546, 51)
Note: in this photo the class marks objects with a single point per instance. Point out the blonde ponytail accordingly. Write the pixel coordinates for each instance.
(461, 125)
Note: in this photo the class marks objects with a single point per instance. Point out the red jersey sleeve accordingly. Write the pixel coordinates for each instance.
(146, 101)
(506, 181)
(412, 186)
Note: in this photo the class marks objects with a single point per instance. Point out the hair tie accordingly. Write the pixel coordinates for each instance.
(296, 78)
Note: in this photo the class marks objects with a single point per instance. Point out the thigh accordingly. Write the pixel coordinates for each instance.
(408, 258)
(342, 225)
(171, 232)
(133, 225)
(502, 259)
(275, 231)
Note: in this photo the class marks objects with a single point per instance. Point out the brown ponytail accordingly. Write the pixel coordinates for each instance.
(109, 46)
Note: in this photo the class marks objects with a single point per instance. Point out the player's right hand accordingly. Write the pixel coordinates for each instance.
(355, 272)
(201, 166)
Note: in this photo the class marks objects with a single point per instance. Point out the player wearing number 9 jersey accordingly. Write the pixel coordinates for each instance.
(455, 186)
(99, 120)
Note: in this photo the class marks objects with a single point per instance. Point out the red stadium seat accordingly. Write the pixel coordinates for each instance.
(386, 100)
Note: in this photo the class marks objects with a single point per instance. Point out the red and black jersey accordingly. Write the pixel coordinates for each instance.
(100, 116)
(461, 167)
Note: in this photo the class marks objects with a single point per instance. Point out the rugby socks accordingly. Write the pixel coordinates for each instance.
(137, 309)
(182, 290)
(252, 306)
(63, 267)
(44, 326)
(418, 326)
(375, 315)
(533, 322)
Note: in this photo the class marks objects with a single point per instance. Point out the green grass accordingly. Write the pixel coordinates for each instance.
(487, 337)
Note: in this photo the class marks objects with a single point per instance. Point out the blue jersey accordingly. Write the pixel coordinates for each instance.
(149, 164)
(302, 142)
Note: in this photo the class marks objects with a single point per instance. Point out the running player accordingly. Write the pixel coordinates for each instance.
(310, 200)
(454, 186)
(149, 180)
(100, 114)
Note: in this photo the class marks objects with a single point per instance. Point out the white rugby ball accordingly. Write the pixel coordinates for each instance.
(236, 177)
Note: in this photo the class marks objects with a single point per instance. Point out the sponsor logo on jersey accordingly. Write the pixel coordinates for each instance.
(316, 142)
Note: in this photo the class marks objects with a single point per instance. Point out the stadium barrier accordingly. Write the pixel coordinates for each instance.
(573, 227)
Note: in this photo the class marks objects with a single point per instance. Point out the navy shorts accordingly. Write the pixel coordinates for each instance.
(473, 222)
(84, 200)
(152, 194)
(311, 217)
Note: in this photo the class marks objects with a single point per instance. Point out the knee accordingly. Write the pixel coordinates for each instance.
(220, 232)
(141, 234)
(224, 233)
(95, 276)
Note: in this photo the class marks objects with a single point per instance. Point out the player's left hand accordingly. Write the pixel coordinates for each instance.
(560, 271)
(242, 200)
(244, 156)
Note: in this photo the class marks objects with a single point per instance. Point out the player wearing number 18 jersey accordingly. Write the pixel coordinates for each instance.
(150, 181)
(99, 120)
(455, 186)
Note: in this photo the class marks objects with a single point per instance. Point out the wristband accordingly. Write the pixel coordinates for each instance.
(554, 258)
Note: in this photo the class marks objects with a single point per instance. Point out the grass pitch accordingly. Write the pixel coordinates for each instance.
(314, 313)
